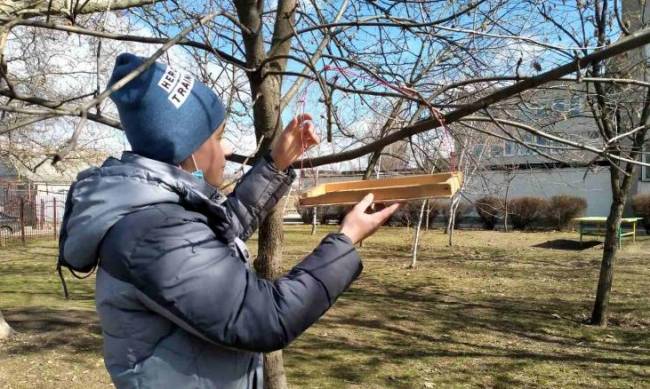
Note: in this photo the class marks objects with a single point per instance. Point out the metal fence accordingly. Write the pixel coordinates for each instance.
(29, 211)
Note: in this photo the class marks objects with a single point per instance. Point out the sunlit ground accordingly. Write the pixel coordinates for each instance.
(496, 310)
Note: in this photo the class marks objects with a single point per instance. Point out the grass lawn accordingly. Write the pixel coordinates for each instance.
(496, 310)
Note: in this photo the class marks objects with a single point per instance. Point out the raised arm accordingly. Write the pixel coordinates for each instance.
(265, 184)
(257, 193)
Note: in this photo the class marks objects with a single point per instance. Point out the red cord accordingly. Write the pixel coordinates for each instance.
(408, 91)
(300, 110)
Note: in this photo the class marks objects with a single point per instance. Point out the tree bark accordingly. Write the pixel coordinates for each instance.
(5, 329)
(266, 119)
(31, 8)
(372, 163)
(314, 220)
(416, 238)
(621, 182)
(599, 314)
(385, 128)
(455, 201)
(268, 264)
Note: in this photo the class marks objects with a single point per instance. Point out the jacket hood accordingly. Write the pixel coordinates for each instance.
(101, 196)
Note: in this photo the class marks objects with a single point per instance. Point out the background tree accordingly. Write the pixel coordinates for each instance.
(5, 329)
(621, 112)
(350, 58)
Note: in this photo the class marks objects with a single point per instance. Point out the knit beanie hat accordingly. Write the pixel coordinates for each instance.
(166, 113)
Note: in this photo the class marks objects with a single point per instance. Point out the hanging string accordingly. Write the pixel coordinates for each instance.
(300, 110)
(301, 103)
(411, 92)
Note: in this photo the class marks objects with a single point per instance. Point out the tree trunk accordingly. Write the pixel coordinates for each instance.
(5, 329)
(372, 163)
(267, 122)
(314, 220)
(268, 264)
(599, 314)
(452, 218)
(505, 208)
(376, 155)
(416, 238)
(426, 220)
(274, 375)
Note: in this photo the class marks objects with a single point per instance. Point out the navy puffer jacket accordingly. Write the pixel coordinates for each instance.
(178, 302)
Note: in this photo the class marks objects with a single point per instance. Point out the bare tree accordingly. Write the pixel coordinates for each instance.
(353, 57)
(5, 329)
(622, 119)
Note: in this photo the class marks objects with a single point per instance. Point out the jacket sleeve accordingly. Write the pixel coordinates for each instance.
(258, 191)
(195, 280)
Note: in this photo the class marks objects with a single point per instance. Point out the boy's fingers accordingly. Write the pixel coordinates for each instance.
(385, 213)
(293, 123)
(310, 135)
(303, 117)
(365, 202)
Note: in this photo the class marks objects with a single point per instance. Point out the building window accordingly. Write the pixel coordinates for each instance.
(560, 105)
(509, 148)
(478, 150)
(528, 139)
(496, 150)
(577, 104)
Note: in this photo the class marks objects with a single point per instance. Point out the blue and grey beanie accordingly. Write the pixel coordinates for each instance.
(166, 113)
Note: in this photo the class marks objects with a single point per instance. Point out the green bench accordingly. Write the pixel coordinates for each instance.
(595, 226)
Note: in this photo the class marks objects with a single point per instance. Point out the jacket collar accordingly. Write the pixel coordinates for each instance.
(168, 171)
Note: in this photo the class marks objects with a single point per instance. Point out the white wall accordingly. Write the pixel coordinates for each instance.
(48, 192)
(594, 187)
(644, 187)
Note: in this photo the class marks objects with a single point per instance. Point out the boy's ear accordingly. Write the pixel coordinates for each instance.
(186, 164)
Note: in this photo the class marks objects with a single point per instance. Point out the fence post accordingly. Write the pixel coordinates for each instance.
(42, 218)
(22, 219)
(34, 214)
(54, 218)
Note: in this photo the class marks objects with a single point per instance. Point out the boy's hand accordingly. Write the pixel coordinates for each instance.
(358, 224)
(297, 137)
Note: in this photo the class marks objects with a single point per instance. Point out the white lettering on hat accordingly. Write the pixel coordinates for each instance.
(182, 90)
(178, 85)
(169, 79)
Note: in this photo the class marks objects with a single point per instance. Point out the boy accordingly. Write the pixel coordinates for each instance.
(178, 302)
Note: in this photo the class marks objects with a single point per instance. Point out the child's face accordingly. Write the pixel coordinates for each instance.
(211, 158)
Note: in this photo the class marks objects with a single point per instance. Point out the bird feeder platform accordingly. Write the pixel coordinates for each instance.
(386, 190)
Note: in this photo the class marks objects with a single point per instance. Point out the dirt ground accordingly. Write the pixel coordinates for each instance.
(496, 310)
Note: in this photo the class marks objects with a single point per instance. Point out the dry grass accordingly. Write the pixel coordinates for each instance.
(496, 310)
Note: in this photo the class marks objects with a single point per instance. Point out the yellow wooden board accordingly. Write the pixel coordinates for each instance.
(407, 188)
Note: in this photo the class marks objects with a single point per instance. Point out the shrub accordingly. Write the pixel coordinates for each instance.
(561, 209)
(324, 214)
(442, 207)
(406, 215)
(306, 214)
(330, 213)
(641, 208)
(490, 209)
(525, 211)
(433, 212)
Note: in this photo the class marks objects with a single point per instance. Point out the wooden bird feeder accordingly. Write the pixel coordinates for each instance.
(408, 188)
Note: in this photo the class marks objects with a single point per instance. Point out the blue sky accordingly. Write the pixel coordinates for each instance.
(516, 18)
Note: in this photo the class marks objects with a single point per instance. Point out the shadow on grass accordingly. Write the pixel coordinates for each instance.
(401, 325)
(567, 244)
(40, 329)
